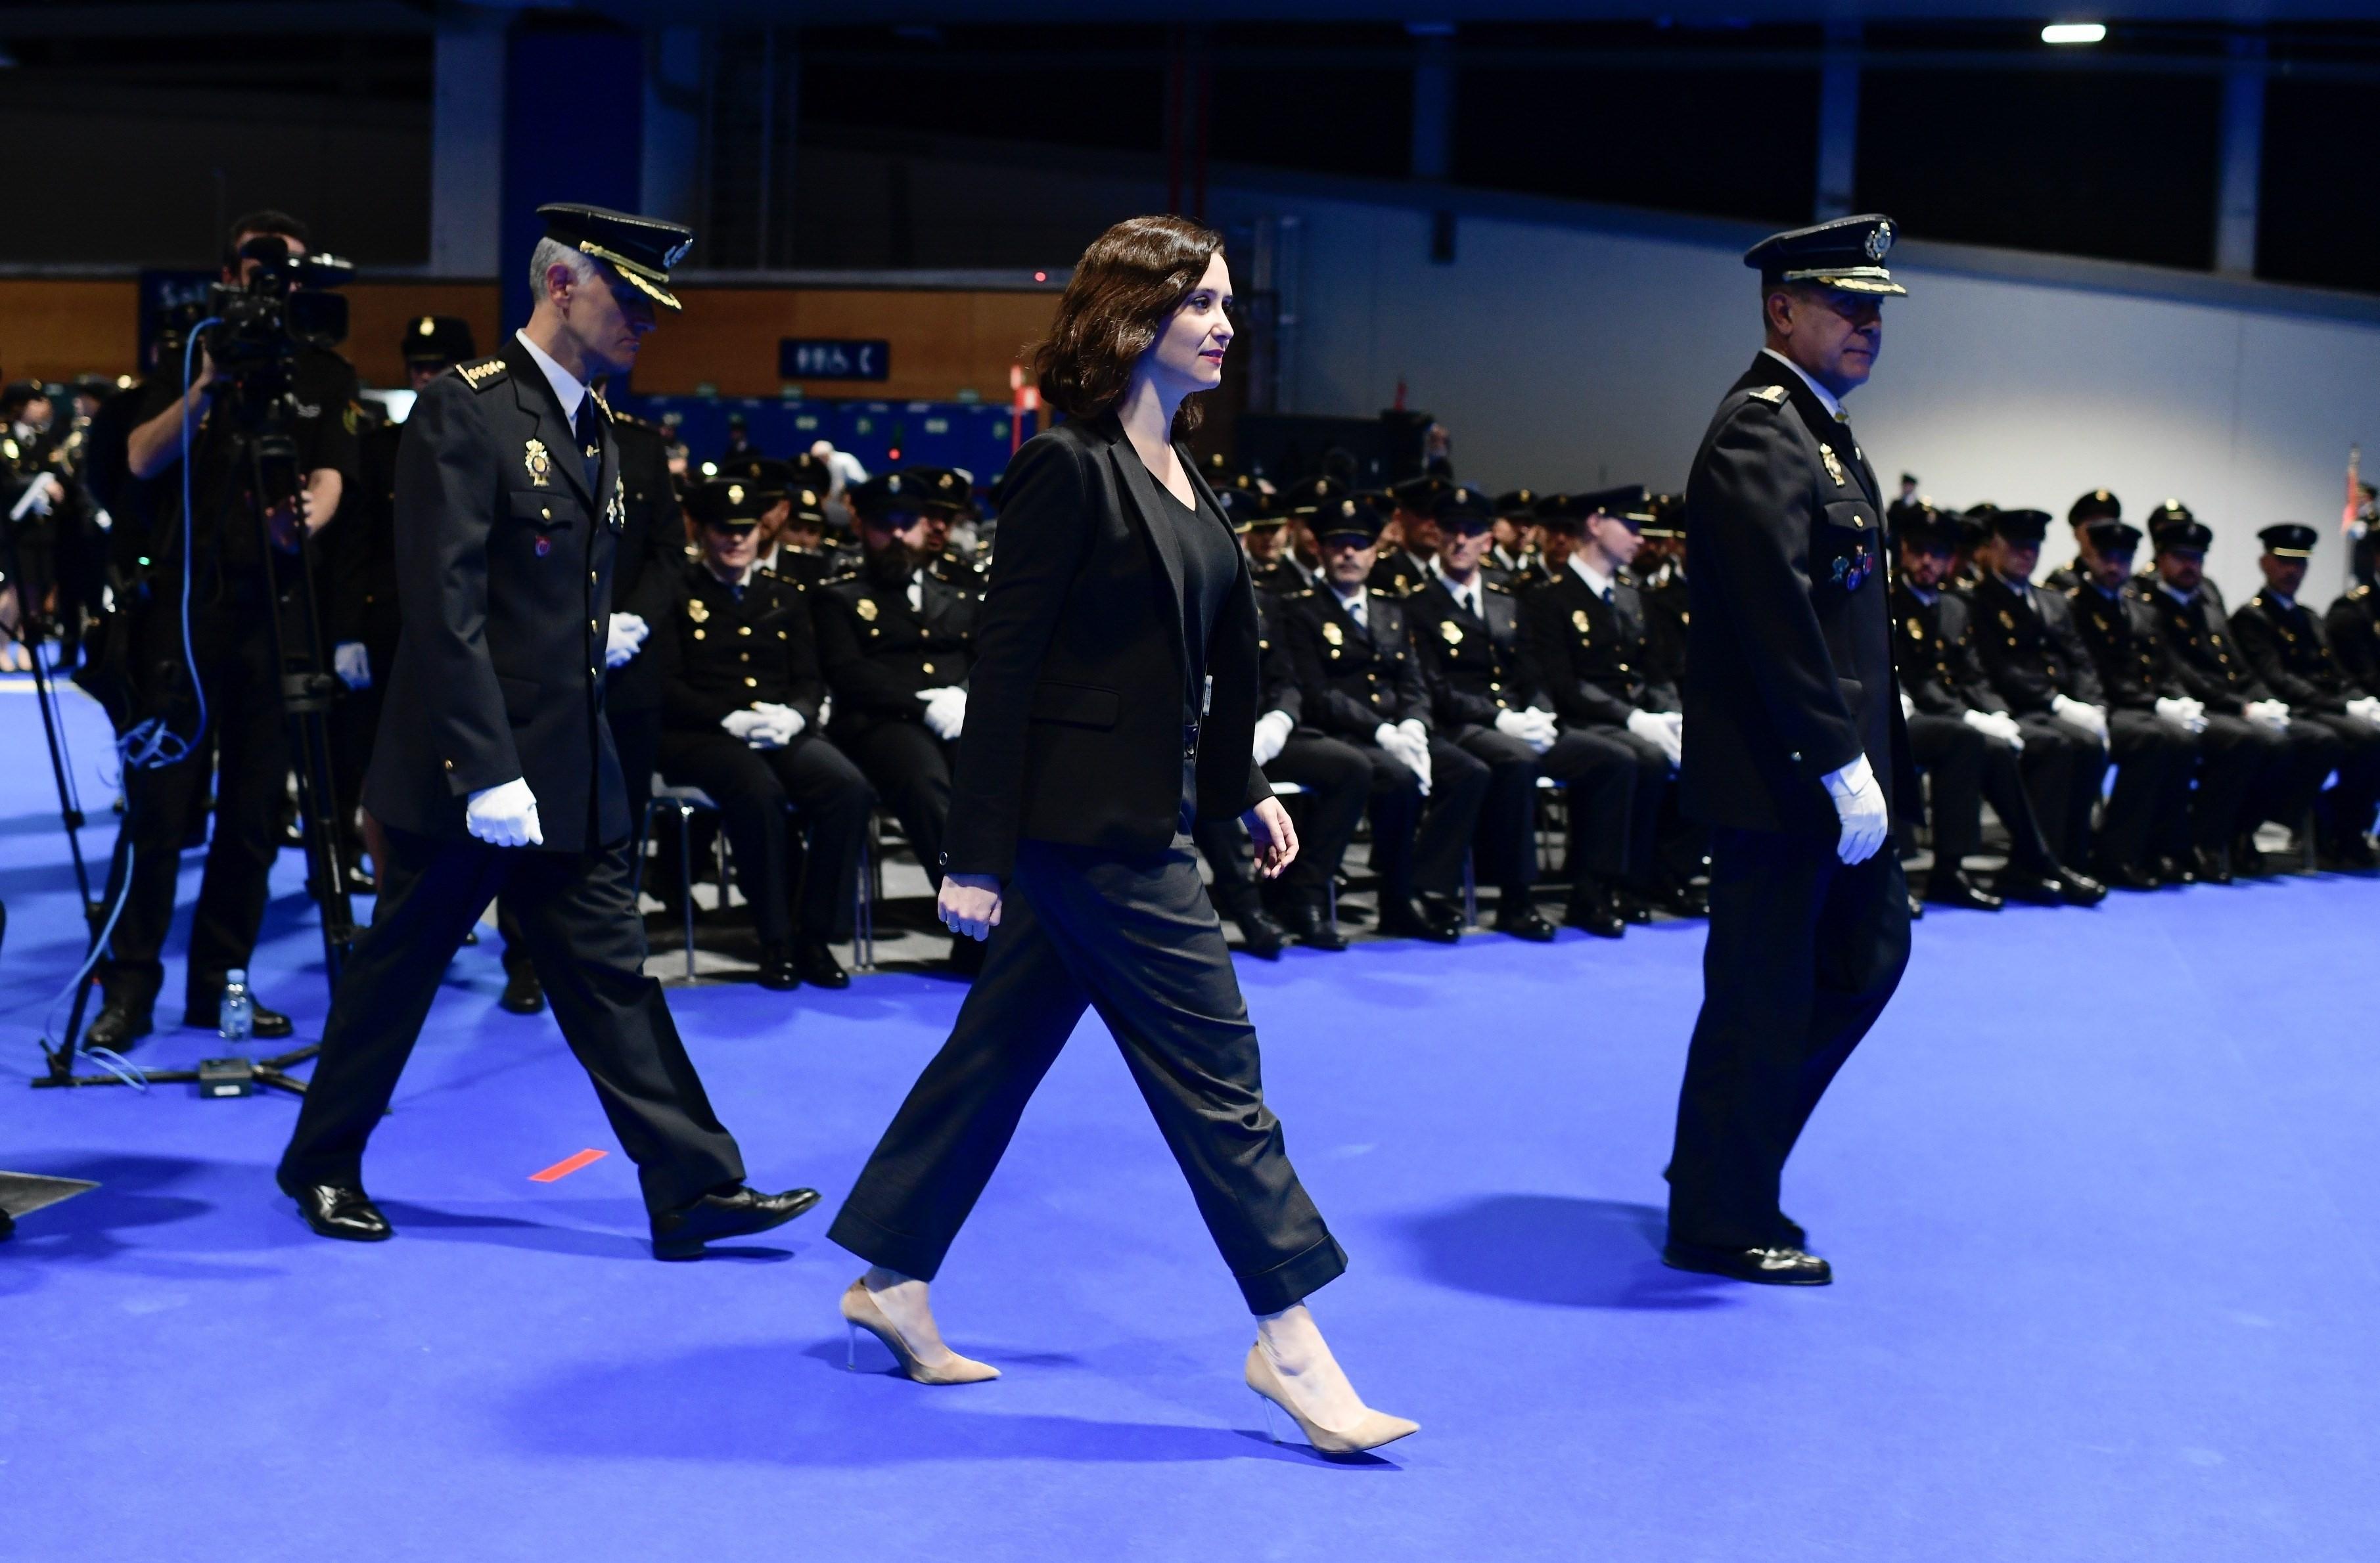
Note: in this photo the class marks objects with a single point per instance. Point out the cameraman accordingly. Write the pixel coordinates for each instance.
(231, 595)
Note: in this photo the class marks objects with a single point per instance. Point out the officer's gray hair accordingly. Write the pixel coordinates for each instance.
(552, 252)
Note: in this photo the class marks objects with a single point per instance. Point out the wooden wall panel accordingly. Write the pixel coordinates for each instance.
(54, 329)
(377, 314)
(942, 341)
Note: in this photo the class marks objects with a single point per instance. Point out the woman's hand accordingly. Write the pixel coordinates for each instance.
(1274, 836)
(969, 903)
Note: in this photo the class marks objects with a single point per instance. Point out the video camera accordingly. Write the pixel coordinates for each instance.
(285, 306)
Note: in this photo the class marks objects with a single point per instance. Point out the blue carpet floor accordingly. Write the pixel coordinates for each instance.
(2094, 1192)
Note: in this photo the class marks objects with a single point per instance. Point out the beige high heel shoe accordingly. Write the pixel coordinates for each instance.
(1377, 1428)
(860, 1312)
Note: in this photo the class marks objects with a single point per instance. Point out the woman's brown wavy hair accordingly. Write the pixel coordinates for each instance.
(1124, 289)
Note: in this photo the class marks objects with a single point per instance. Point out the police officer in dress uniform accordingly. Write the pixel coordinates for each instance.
(950, 493)
(2291, 650)
(742, 725)
(1361, 681)
(496, 770)
(1659, 573)
(2354, 625)
(896, 644)
(1511, 558)
(1587, 637)
(1958, 731)
(1412, 506)
(2153, 723)
(1475, 664)
(2034, 662)
(1797, 735)
(2240, 709)
(2097, 506)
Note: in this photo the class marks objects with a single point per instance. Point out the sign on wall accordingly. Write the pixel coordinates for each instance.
(805, 357)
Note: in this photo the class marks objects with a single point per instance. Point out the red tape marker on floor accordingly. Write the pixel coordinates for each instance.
(568, 1165)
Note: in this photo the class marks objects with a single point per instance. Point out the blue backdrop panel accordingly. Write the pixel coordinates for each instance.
(973, 436)
(573, 127)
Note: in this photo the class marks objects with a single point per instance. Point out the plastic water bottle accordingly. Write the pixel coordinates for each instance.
(237, 1023)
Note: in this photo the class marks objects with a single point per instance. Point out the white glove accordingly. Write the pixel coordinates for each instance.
(1273, 729)
(1408, 745)
(506, 816)
(43, 492)
(2090, 719)
(1998, 726)
(743, 723)
(2274, 714)
(780, 725)
(1908, 706)
(1859, 804)
(352, 662)
(2365, 709)
(628, 637)
(1534, 727)
(1663, 730)
(2188, 713)
(945, 710)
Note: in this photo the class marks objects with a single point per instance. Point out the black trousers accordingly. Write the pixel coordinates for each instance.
(911, 771)
(636, 738)
(1804, 953)
(830, 803)
(352, 725)
(231, 642)
(1965, 768)
(579, 924)
(2243, 767)
(1336, 778)
(2151, 800)
(1134, 938)
(2063, 768)
(2312, 752)
(1420, 841)
(1504, 841)
(2346, 806)
(1610, 798)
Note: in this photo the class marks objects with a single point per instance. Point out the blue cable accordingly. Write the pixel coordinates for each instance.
(153, 744)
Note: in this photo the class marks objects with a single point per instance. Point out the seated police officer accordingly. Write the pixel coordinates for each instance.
(1511, 549)
(2354, 625)
(1659, 571)
(2153, 726)
(1273, 564)
(1476, 665)
(742, 723)
(2037, 667)
(1413, 517)
(1959, 731)
(2240, 709)
(1587, 631)
(1361, 681)
(2291, 650)
(2082, 515)
(948, 494)
(895, 644)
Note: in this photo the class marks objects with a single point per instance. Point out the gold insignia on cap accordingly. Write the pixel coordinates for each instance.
(1879, 241)
(540, 463)
(1332, 633)
(866, 609)
(1450, 631)
(698, 610)
(1834, 467)
(736, 493)
(428, 326)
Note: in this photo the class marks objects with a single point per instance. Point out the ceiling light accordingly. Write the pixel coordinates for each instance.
(2074, 32)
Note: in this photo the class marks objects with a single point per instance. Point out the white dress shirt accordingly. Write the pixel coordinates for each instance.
(1468, 593)
(1831, 402)
(1597, 582)
(1355, 605)
(566, 385)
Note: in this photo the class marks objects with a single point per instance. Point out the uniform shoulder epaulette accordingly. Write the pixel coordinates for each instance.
(1772, 394)
(631, 419)
(1299, 595)
(846, 578)
(1499, 588)
(481, 373)
(2360, 593)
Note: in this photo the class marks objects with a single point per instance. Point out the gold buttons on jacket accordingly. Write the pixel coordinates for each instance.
(743, 629)
(751, 684)
(926, 667)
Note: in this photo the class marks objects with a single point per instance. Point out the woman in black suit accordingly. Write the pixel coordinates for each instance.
(1111, 706)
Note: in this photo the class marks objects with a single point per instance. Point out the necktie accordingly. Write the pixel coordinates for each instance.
(1356, 611)
(590, 444)
(1607, 596)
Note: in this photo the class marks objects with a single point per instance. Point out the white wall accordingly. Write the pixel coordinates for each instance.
(1564, 357)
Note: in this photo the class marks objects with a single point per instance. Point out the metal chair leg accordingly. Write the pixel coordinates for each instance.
(863, 910)
(685, 878)
(1470, 894)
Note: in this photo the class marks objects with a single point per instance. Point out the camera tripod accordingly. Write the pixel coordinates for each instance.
(274, 484)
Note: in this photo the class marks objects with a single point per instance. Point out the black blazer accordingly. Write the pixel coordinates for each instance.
(1074, 720)
(1788, 655)
(504, 570)
(1592, 654)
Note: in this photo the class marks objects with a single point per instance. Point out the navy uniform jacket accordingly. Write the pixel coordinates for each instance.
(1399, 575)
(1472, 667)
(1934, 655)
(1354, 677)
(879, 652)
(1788, 655)
(1593, 656)
(2206, 659)
(504, 573)
(2354, 624)
(2291, 650)
(1276, 670)
(2120, 633)
(2031, 651)
(730, 652)
(652, 559)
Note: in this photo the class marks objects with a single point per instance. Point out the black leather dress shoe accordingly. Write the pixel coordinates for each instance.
(1950, 887)
(2077, 889)
(1310, 927)
(266, 1024)
(2182, 870)
(777, 973)
(1524, 921)
(2124, 877)
(2214, 867)
(1632, 906)
(818, 966)
(1682, 901)
(1409, 920)
(2248, 860)
(680, 1234)
(1259, 935)
(361, 881)
(7, 1226)
(2028, 888)
(524, 995)
(120, 1022)
(1766, 1266)
(342, 1211)
(1591, 910)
